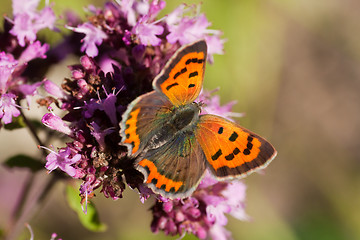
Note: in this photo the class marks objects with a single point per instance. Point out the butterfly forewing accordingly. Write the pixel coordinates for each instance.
(144, 118)
(182, 77)
(231, 150)
(172, 146)
(175, 169)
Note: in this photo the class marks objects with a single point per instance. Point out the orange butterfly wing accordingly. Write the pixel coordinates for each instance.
(175, 169)
(231, 150)
(144, 117)
(182, 77)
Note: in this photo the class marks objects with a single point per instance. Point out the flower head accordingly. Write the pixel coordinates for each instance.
(93, 36)
(7, 67)
(56, 123)
(147, 32)
(212, 105)
(28, 21)
(64, 160)
(8, 108)
(34, 50)
(202, 214)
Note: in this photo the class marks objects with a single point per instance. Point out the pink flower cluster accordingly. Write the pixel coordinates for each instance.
(13, 86)
(202, 214)
(125, 46)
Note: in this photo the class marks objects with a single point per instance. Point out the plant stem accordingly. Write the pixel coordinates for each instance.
(23, 197)
(32, 131)
(20, 215)
(15, 229)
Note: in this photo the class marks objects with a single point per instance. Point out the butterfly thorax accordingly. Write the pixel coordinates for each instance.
(181, 120)
(185, 117)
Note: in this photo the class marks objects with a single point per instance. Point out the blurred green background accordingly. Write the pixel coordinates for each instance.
(294, 68)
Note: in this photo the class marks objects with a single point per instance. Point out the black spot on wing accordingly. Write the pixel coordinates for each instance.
(236, 151)
(193, 74)
(246, 152)
(176, 75)
(171, 85)
(221, 130)
(191, 85)
(180, 72)
(229, 157)
(249, 146)
(233, 137)
(194, 60)
(216, 155)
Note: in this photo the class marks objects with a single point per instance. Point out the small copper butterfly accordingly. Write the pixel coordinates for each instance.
(173, 144)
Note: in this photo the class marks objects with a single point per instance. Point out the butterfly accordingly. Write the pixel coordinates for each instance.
(173, 144)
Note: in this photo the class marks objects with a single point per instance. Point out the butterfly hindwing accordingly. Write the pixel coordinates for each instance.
(182, 77)
(174, 170)
(231, 150)
(144, 118)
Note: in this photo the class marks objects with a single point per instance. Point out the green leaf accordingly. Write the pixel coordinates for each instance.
(24, 161)
(91, 220)
(16, 123)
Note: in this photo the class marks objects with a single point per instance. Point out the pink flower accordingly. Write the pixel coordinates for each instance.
(133, 8)
(155, 7)
(147, 32)
(215, 45)
(28, 6)
(54, 89)
(56, 123)
(175, 16)
(108, 105)
(28, 21)
(7, 67)
(34, 50)
(63, 160)
(29, 90)
(93, 36)
(189, 29)
(202, 214)
(100, 134)
(212, 105)
(45, 19)
(8, 108)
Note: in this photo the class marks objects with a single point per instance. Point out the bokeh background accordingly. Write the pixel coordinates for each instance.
(294, 68)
